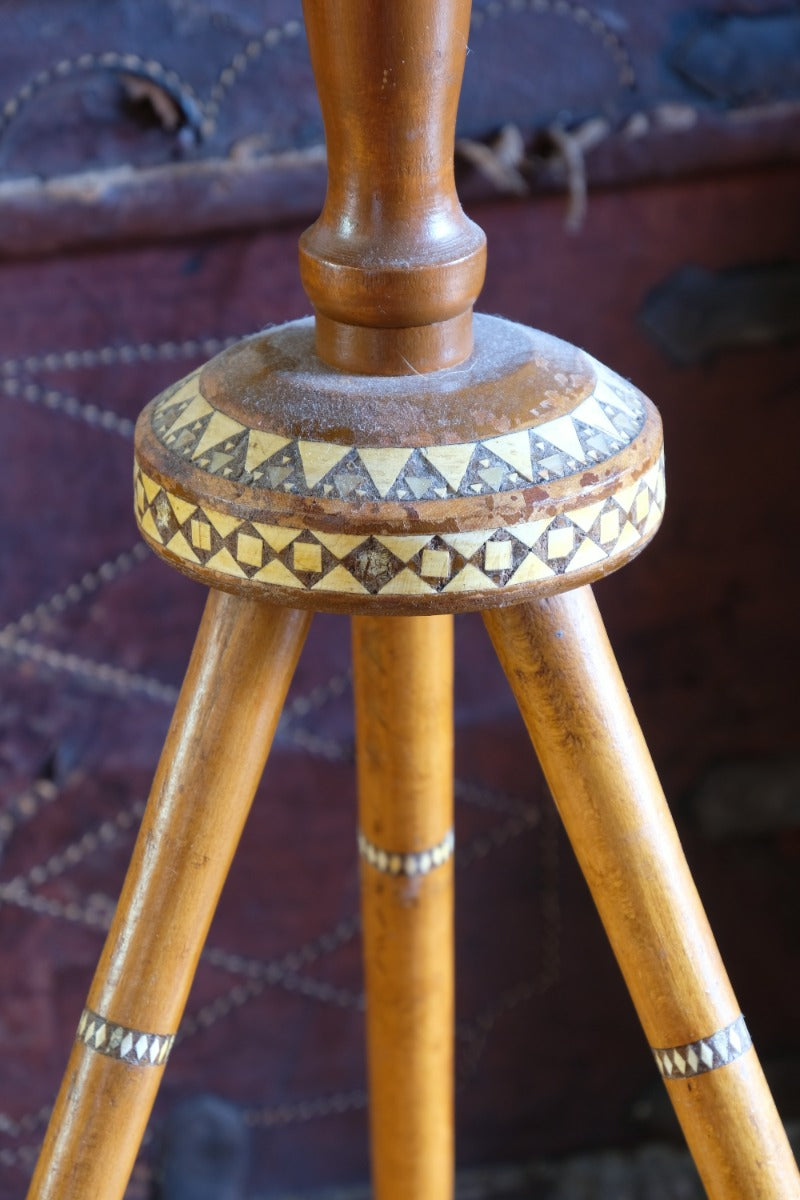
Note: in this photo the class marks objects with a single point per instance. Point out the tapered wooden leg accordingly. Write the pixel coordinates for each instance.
(558, 660)
(243, 660)
(403, 670)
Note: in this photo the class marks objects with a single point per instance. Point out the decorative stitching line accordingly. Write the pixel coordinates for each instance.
(498, 836)
(491, 799)
(89, 582)
(269, 970)
(706, 1054)
(102, 675)
(475, 1034)
(26, 1123)
(202, 116)
(305, 1110)
(126, 354)
(392, 862)
(332, 689)
(580, 14)
(20, 1156)
(25, 806)
(106, 834)
(122, 1043)
(90, 414)
(96, 913)
(131, 64)
(239, 64)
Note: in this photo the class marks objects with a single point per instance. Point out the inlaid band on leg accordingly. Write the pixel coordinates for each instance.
(695, 1058)
(393, 863)
(128, 1045)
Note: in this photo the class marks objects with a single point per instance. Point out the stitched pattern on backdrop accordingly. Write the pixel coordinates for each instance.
(200, 114)
(25, 643)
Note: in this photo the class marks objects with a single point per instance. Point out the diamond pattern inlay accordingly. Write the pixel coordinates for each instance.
(706, 1054)
(127, 1045)
(414, 564)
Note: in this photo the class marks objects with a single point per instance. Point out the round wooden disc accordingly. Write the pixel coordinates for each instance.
(529, 469)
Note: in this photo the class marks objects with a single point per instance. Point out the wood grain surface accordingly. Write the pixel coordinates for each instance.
(561, 668)
(212, 761)
(403, 682)
(706, 663)
(392, 265)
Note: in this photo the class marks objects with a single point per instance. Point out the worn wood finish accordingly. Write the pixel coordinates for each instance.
(392, 265)
(530, 469)
(561, 668)
(403, 678)
(337, 464)
(215, 751)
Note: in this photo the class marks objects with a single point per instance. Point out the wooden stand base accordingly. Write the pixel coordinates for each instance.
(563, 674)
(398, 461)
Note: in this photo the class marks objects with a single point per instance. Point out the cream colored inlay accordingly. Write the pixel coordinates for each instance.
(497, 556)
(435, 564)
(320, 457)
(451, 461)
(515, 449)
(219, 429)
(307, 557)
(261, 446)
(384, 465)
(412, 564)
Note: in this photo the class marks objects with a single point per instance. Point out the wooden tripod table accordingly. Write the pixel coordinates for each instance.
(399, 460)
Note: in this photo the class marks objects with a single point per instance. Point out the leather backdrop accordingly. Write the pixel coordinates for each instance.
(148, 213)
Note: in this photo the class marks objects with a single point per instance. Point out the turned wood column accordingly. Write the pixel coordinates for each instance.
(392, 266)
(403, 682)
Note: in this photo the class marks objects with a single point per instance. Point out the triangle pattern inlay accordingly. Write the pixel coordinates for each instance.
(587, 554)
(592, 414)
(182, 508)
(224, 561)
(179, 545)
(384, 465)
(261, 446)
(198, 409)
(406, 584)
(340, 580)
(223, 523)
(469, 580)
(275, 572)
(218, 429)
(451, 461)
(562, 434)
(318, 458)
(276, 536)
(405, 546)
(515, 449)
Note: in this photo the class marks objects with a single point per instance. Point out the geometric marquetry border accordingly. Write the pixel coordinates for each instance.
(392, 862)
(211, 441)
(127, 1045)
(706, 1054)
(419, 564)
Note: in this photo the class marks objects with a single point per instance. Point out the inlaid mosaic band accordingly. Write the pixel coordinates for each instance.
(419, 564)
(127, 1045)
(696, 1058)
(392, 863)
(598, 428)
